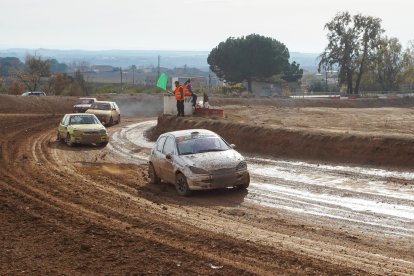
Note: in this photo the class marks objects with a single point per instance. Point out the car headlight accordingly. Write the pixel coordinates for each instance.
(77, 133)
(103, 132)
(241, 166)
(196, 170)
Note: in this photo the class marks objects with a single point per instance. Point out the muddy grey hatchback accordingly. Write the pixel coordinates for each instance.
(197, 159)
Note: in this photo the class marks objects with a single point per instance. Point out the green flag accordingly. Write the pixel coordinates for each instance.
(162, 81)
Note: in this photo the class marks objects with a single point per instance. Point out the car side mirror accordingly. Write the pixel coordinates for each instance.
(168, 156)
(233, 146)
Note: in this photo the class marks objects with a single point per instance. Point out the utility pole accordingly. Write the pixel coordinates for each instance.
(120, 71)
(133, 75)
(158, 67)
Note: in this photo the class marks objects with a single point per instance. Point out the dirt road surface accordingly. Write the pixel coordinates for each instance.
(87, 210)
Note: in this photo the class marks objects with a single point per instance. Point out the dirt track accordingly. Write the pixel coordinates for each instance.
(90, 211)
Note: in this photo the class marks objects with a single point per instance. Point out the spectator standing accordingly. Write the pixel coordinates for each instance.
(179, 96)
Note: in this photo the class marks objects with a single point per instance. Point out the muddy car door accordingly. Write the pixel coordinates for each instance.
(166, 163)
(63, 126)
(157, 156)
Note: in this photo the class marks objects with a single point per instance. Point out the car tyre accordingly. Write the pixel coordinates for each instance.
(181, 185)
(68, 140)
(111, 121)
(103, 144)
(153, 177)
(243, 186)
(58, 137)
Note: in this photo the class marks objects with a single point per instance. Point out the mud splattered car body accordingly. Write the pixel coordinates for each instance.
(107, 112)
(80, 128)
(83, 104)
(197, 159)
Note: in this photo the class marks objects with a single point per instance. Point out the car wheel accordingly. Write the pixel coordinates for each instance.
(58, 137)
(103, 144)
(181, 185)
(243, 186)
(153, 177)
(111, 121)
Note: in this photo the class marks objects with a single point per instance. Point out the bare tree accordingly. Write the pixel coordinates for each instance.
(35, 70)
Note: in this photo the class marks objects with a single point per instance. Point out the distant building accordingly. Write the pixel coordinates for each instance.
(102, 68)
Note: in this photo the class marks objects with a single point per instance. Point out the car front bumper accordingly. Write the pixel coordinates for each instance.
(217, 181)
(86, 138)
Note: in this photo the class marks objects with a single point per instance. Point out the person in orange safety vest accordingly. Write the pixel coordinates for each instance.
(179, 96)
(188, 91)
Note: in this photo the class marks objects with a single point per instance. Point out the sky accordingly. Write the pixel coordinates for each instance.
(185, 25)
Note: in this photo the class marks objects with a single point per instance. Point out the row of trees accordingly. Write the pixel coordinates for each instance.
(41, 74)
(357, 48)
(363, 56)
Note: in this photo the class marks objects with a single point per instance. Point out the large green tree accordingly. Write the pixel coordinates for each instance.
(389, 63)
(408, 66)
(292, 72)
(249, 58)
(352, 42)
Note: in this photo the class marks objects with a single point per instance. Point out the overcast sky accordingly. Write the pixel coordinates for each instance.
(185, 24)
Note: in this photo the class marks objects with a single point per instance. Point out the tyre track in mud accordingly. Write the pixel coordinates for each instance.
(379, 241)
(103, 216)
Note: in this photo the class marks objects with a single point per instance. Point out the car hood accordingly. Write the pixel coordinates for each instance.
(85, 127)
(213, 160)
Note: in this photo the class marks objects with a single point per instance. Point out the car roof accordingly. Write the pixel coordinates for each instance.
(187, 132)
(104, 102)
(84, 114)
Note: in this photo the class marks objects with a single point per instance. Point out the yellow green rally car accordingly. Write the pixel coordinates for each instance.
(81, 128)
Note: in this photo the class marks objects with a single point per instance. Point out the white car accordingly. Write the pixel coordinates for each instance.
(197, 159)
(34, 93)
(83, 104)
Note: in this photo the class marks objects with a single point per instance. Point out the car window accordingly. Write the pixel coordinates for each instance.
(85, 101)
(160, 144)
(199, 144)
(63, 120)
(101, 106)
(169, 146)
(66, 120)
(82, 120)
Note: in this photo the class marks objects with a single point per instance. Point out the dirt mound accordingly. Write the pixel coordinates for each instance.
(309, 145)
(136, 105)
(316, 102)
(36, 105)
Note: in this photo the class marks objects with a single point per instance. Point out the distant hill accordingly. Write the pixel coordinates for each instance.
(141, 58)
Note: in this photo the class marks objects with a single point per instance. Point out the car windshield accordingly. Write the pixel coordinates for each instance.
(101, 106)
(84, 101)
(83, 120)
(200, 143)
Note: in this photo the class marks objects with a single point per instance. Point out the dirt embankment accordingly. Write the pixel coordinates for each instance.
(298, 144)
